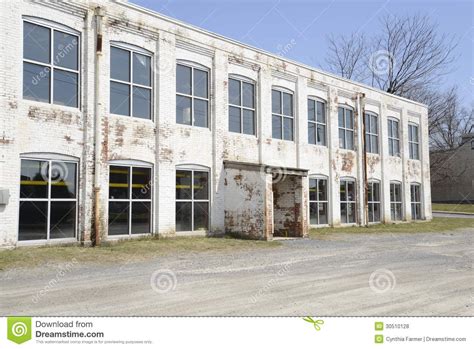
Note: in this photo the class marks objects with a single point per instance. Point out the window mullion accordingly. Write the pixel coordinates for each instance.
(48, 215)
(51, 75)
(130, 202)
(131, 84)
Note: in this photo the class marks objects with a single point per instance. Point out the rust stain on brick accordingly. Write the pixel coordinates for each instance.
(165, 155)
(347, 161)
(13, 105)
(68, 138)
(119, 131)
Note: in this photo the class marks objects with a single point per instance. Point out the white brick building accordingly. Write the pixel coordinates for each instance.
(187, 132)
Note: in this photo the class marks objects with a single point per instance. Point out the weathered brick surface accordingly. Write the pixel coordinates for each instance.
(29, 127)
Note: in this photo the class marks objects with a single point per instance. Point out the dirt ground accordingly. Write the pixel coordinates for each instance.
(336, 274)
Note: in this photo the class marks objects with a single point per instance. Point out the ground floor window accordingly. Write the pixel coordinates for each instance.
(415, 201)
(318, 201)
(48, 200)
(396, 201)
(130, 198)
(348, 201)
(373, 195)
(192, 200)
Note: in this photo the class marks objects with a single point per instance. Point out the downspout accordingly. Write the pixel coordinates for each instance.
(361, 106)
(97, 124)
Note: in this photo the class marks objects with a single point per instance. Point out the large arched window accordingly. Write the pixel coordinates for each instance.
(48, 197)
(50, 62)
(371, 133)
(348, 200)
(373, 196)
(283, 122)
(396, 201)
(318, 200)
(242, 105)
(130, 198)
(192, 198)
(346, 127)
(415, 194)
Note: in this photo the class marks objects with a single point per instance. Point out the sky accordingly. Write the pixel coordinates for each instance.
(298, 29)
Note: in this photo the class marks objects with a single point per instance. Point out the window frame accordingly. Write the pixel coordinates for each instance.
(195, 66)
(395, 204)
(412, 144)
(345, 129)
(369, 135)
(347, 202)
(372, 203)
(316, 123)
(130, 199)
(241, 107)
(49, 200)
(53, 27)
(132, 49)
(282, 116)
(317, 201)
(416, 206)
(193, 169)
(393, 139)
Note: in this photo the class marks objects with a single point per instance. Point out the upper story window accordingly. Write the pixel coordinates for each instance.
(130, 82)
(282, 115)
(371, 133)
(50, 64)
(316, 122)
(413, 142)
(241, 106)
(346, 128)
(393, 137)
(192, 95)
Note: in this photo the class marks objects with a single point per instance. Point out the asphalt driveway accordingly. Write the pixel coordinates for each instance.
(339, 274)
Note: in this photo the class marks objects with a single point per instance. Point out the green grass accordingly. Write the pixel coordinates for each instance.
(436, 225)
(454, 207)
(124, 251)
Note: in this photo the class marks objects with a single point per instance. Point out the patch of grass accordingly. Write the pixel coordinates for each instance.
(453, 207)
(436, 225)
(125, 251)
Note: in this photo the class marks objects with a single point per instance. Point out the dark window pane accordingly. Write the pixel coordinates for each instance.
(248, 95)
(34, 179)
(349, 119)
(141, 217)
(311, 110)
(184, 216)
(234, 119)
(350, 191)
(63, 220)
(234, 92)
(311, 133)
(200, 83)
(201, 188)
(141, 69)
(321, 112)
(321, 134)
(312, 189)
(374, 125)
(141, 102)
(183, 110)
(183, 185)
(141, 183)
(340, 113)
(119, 98)
(288, 129)
(375, 144)
(287, 104)
(200, 113)
(119, 182)
(322, 189)
(201, 216)
(36, 82)
(276, 126)
(342, 139)
(376, 212)
(351, 213)
(248, 122)
(343, 193)
(119, 64)
(65, 50)
(36, 42)
(323, 213)
(350, 140)
(183, 79)
(344, 213)
(276, 102)
(313, 213)
(118, 218)
(65, 88)
(63, 180)
(33, 218)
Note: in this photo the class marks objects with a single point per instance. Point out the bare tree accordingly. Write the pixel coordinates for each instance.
(406, 55)
(347, 55)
